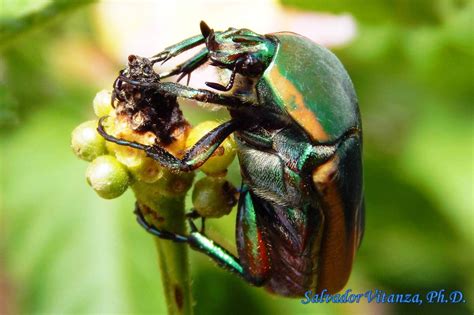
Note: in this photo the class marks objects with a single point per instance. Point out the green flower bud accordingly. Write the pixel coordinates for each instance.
(107, 177)
(214, 197)
(86, 142)
(174, 184)
(224, 155)
(102, 103)
(146, 170)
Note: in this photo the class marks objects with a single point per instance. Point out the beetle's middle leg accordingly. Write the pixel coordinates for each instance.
(195, 215)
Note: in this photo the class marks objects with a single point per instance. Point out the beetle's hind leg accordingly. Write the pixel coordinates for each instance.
(200, 242)
(155, 231)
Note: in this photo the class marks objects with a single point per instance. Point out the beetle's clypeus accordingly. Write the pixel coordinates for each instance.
(300, 214)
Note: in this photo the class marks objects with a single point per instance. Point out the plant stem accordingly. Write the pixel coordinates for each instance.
(167, 213)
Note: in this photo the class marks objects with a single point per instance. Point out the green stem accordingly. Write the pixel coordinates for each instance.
(167, 212)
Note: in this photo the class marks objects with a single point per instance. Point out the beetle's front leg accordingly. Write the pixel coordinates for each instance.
(187, 44)
(193, 157)
(188, 66)
(200, 95)
(175, 50)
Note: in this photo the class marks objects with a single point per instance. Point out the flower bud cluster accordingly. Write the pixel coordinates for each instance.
(114, 167)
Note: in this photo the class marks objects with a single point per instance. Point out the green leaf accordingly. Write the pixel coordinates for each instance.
(16, 8)
(12, 26)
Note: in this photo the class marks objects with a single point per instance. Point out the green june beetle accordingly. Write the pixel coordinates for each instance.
(295, 118)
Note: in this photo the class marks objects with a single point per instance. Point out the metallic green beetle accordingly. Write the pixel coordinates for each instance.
(296, 121)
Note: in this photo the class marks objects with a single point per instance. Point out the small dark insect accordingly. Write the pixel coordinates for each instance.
(300, 214)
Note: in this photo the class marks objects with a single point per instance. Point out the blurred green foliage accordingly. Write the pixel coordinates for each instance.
(67, 251)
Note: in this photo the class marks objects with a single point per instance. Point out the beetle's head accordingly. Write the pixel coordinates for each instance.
(242, 50)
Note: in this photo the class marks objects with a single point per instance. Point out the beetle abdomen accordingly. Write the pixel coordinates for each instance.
(295, 268)
(292, 238)
(308, 82)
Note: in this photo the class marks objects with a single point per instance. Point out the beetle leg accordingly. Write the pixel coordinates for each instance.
(199, 95)
(157, 232)
(220, 87)
(199, 242)
(255, 274)
(188, 66)
(230, 84)
(193, 158)
(252, 243)
(185, 45)
(175, 50)
(221, 256)
(195, 215)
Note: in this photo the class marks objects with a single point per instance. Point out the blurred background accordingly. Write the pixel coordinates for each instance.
(64, 250)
